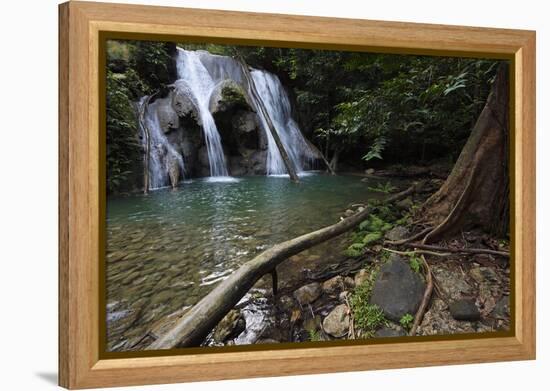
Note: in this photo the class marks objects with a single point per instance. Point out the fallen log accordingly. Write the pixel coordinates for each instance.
(195, 325)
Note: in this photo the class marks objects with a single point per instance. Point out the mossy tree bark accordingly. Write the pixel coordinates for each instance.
(476, 193)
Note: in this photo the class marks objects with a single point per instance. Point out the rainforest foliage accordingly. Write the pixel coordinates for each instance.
(367, 109)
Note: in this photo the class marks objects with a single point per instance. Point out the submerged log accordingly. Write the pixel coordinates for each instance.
(256, 98)
(195, 325)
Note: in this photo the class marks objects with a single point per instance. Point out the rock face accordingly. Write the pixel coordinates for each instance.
(464, 309)
(308, 293)
(336, 322)
(397, 289)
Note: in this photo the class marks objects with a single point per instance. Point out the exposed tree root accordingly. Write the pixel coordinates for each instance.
(425, 299)
(430, 247)
(409, 239)
(413, 252)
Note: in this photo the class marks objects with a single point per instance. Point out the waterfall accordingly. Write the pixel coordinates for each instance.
(163, 157)
(200, 73)
(277, 104)
(193, 73)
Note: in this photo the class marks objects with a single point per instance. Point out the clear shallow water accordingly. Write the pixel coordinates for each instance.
(168, 249)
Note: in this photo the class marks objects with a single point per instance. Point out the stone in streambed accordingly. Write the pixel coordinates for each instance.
(333, 285)
(308, 293)
(397, 290)
(464, 309)
(229, 327)
(336, 322)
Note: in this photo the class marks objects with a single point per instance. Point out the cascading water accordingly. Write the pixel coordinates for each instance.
(193, 73)
(277, 104)
(200, 73)
(164, 160)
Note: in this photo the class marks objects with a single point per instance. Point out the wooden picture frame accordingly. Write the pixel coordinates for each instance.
(81, 168)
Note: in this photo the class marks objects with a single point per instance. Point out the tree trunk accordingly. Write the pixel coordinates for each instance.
(256, 98)
(476, 193)
(320, 155)
(195, 325)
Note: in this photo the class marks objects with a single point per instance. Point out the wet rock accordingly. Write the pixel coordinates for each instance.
(502, 308)
(336, 323)
(227, 95)
(464, 309)
(386, 332)
(286, 303)
(229, 327)
(397, 233)
(183, 100)
(397, 290)
(308, 293)
(361, 276)
(333, 286)
(369, 171)
(167, 116)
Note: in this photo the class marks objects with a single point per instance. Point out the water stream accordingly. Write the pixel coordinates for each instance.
(165, 251)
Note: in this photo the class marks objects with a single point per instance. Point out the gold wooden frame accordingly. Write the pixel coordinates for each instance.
(80, 198)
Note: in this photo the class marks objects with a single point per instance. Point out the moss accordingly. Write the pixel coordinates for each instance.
(368, 317)
(233, 94)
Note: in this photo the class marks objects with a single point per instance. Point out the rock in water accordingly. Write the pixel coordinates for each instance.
(397, 289)
(333, 285)
(308, 293)
(229, 327)
(464, 309)
(337, 322)
(397, 233)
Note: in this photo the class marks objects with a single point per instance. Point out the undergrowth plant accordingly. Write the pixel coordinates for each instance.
(367, 317)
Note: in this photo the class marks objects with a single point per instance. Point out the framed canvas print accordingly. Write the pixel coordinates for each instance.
(248, 195)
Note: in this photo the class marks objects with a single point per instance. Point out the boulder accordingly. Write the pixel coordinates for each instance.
(464, 309)
(397, 233)
(229, 327)
(405, 204)
(184, 101)
(397, 289)
(336, 323)
(308, 293)
(227, 95)
(333, 285)
(167, 116)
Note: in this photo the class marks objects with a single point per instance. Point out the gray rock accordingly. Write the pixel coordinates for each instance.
(369, 171)
(464, 309)
(183, 100)
(333, 285)
(226, 95)
(349, 212)
(308, 293)
(397, 233)
(286, 303)
(397, 289)
(483, 274)
(168, 118)
(229, 327)
(349, 282)
(336, 322)
(385, 332)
